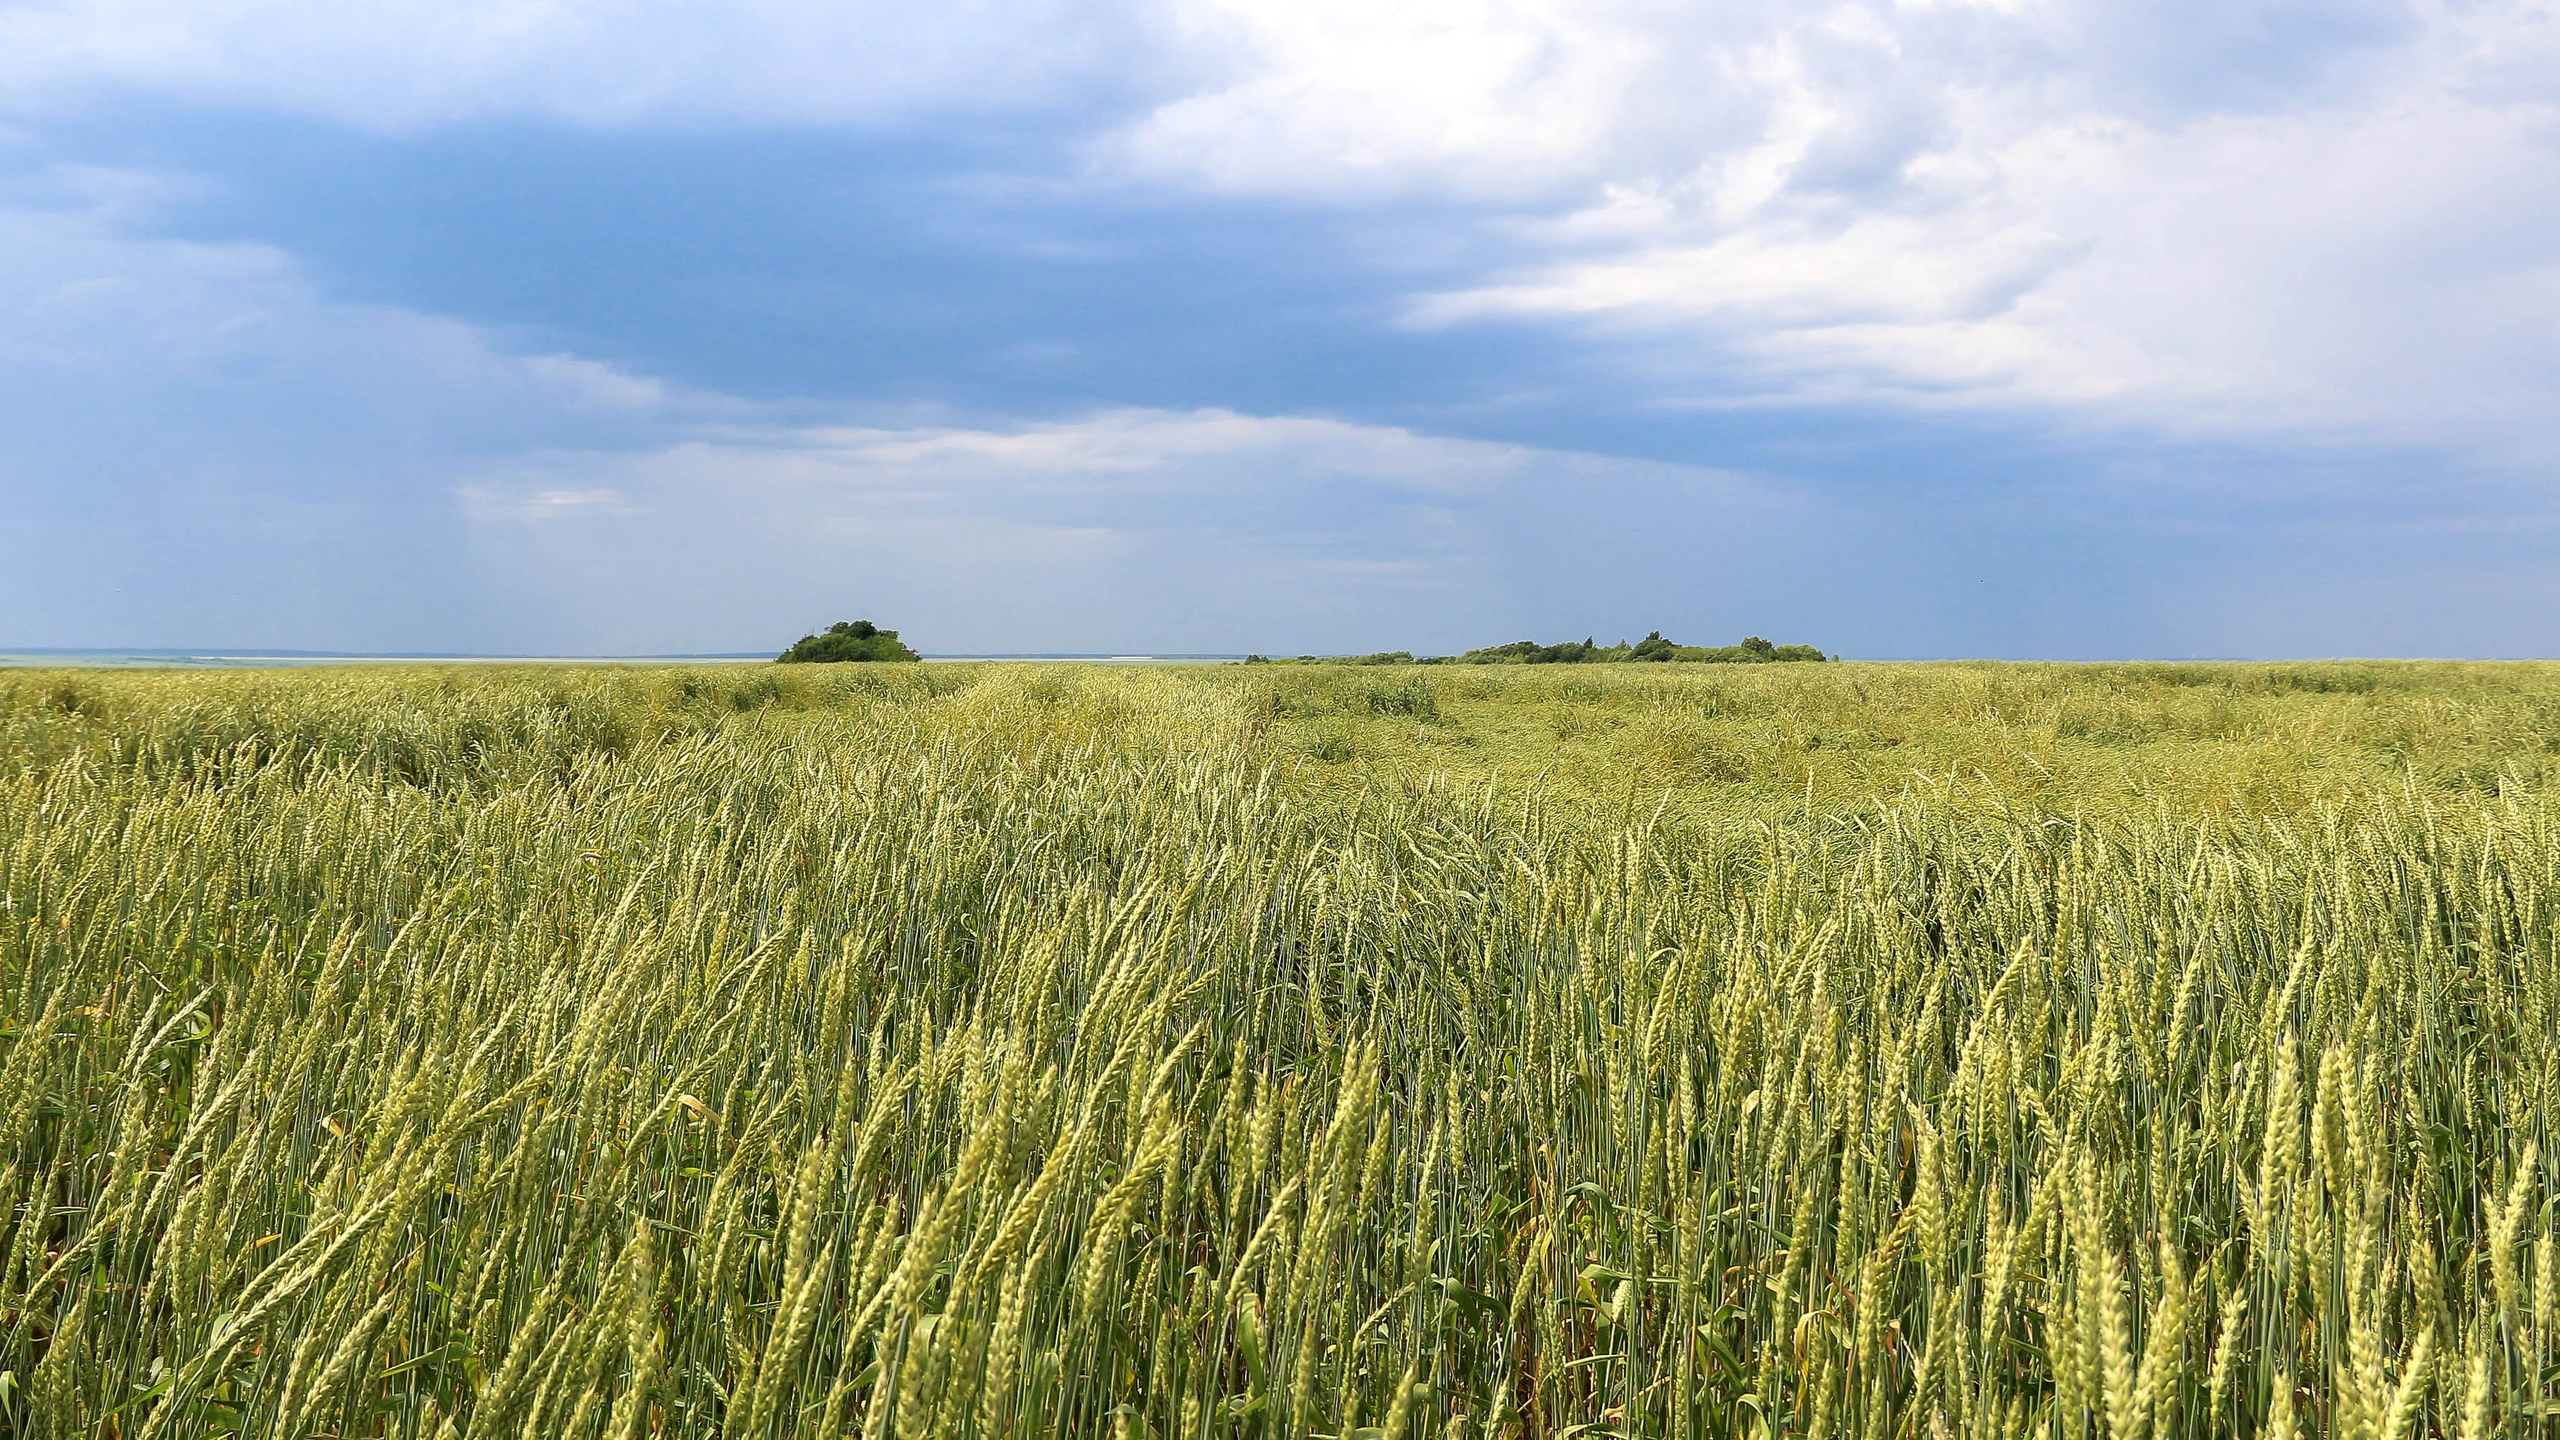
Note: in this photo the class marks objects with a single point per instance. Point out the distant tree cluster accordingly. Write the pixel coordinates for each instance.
(1752, 651)
(847, 640)
(1651, 649)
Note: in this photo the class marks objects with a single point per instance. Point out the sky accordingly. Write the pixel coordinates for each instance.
(2008, 328)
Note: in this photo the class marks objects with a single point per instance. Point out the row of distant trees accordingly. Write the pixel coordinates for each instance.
(861, 640)
(1652, 649)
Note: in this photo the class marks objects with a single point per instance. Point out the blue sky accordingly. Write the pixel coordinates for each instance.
(1945, 327)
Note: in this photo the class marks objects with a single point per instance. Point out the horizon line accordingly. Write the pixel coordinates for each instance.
(14, 657)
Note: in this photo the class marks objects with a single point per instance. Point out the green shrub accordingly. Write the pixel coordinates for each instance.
(847, 641)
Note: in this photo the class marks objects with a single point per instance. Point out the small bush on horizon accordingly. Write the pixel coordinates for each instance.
(847, 641)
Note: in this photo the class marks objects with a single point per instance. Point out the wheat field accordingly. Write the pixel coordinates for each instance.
(1004, 1051)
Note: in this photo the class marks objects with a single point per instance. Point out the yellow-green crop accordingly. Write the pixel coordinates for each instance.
(1054, 1051)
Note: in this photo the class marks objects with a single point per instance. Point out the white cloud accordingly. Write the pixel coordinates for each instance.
(488, 505)
(1329, 96)
(1998, 220)
(1265, 494)
(404, 64)
(592, 385)
(1134, 451)
(1876, 269)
